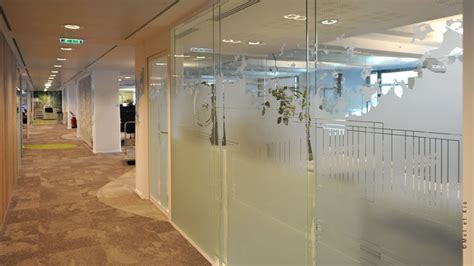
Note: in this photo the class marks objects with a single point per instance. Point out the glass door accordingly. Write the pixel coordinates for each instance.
(158, 132)
(388, 144)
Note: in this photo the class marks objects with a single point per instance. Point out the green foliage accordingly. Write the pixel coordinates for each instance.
(52, 99)
(292, 103)
(45, 100)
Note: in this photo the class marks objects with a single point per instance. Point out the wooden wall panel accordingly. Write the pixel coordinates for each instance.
(3, 181)
(8, 126)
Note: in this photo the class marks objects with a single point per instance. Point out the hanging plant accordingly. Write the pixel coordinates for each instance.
(292, 103)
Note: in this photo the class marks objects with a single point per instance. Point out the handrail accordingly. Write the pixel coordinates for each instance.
(389, 129)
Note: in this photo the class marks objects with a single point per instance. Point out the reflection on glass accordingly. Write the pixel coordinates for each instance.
(158, 131)
(388, 149)
(316, 132)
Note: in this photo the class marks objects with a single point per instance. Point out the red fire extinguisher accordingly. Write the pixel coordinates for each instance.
(73, 122)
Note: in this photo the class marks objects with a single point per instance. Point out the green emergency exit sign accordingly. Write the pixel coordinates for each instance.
(71, 41)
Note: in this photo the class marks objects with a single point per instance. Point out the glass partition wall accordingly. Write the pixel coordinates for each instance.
(158, 131)
(319, 132)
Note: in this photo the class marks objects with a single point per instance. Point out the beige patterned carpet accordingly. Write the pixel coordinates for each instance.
(121, 195)
(57, 218)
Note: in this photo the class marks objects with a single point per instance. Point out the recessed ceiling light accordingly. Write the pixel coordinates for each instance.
(120, 79)
(200, 57)
(58, 66)
(54, 71)
(51, 78)
(66, 48)
(45, 89)
(61, 59)
(72, 27)
(231, 41)
(161, 64)
(52, 75)
(128, 77)
(256, 43)
(329, 21)
(295, 17)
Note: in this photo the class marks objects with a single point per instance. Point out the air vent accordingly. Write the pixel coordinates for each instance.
(236, 9)
(184, 33)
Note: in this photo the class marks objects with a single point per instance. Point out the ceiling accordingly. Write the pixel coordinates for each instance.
(110, 29)
(370, 20)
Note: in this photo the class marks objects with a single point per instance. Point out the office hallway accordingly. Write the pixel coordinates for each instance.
(56, 218)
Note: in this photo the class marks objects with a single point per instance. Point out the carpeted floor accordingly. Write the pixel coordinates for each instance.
(55, 217)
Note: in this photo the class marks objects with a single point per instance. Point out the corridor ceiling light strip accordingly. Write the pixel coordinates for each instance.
(231, 41)
(57, 66)
(295, 17)
(66, 48)
(54, 71)
(72, 27)
(52, 75)
(128, 77)
(61, 59)
(329, 21)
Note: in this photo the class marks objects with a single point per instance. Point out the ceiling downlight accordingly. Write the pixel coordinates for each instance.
(72, 27)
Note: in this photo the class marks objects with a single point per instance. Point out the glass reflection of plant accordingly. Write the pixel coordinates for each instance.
(292, 103)
(205, 110)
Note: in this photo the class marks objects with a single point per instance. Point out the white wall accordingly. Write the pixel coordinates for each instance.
(106, 119)
(71, 103)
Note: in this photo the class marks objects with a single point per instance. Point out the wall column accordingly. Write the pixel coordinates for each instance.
(106, 120)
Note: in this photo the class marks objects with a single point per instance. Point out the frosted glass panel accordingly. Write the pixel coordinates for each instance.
(321, 132)
(158, 131)
(388, 125)
(265, 182)
(195, 153)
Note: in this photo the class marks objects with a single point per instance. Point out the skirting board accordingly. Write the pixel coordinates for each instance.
(203, 253)
(139, 194)
(112, 151)
(158, 205)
